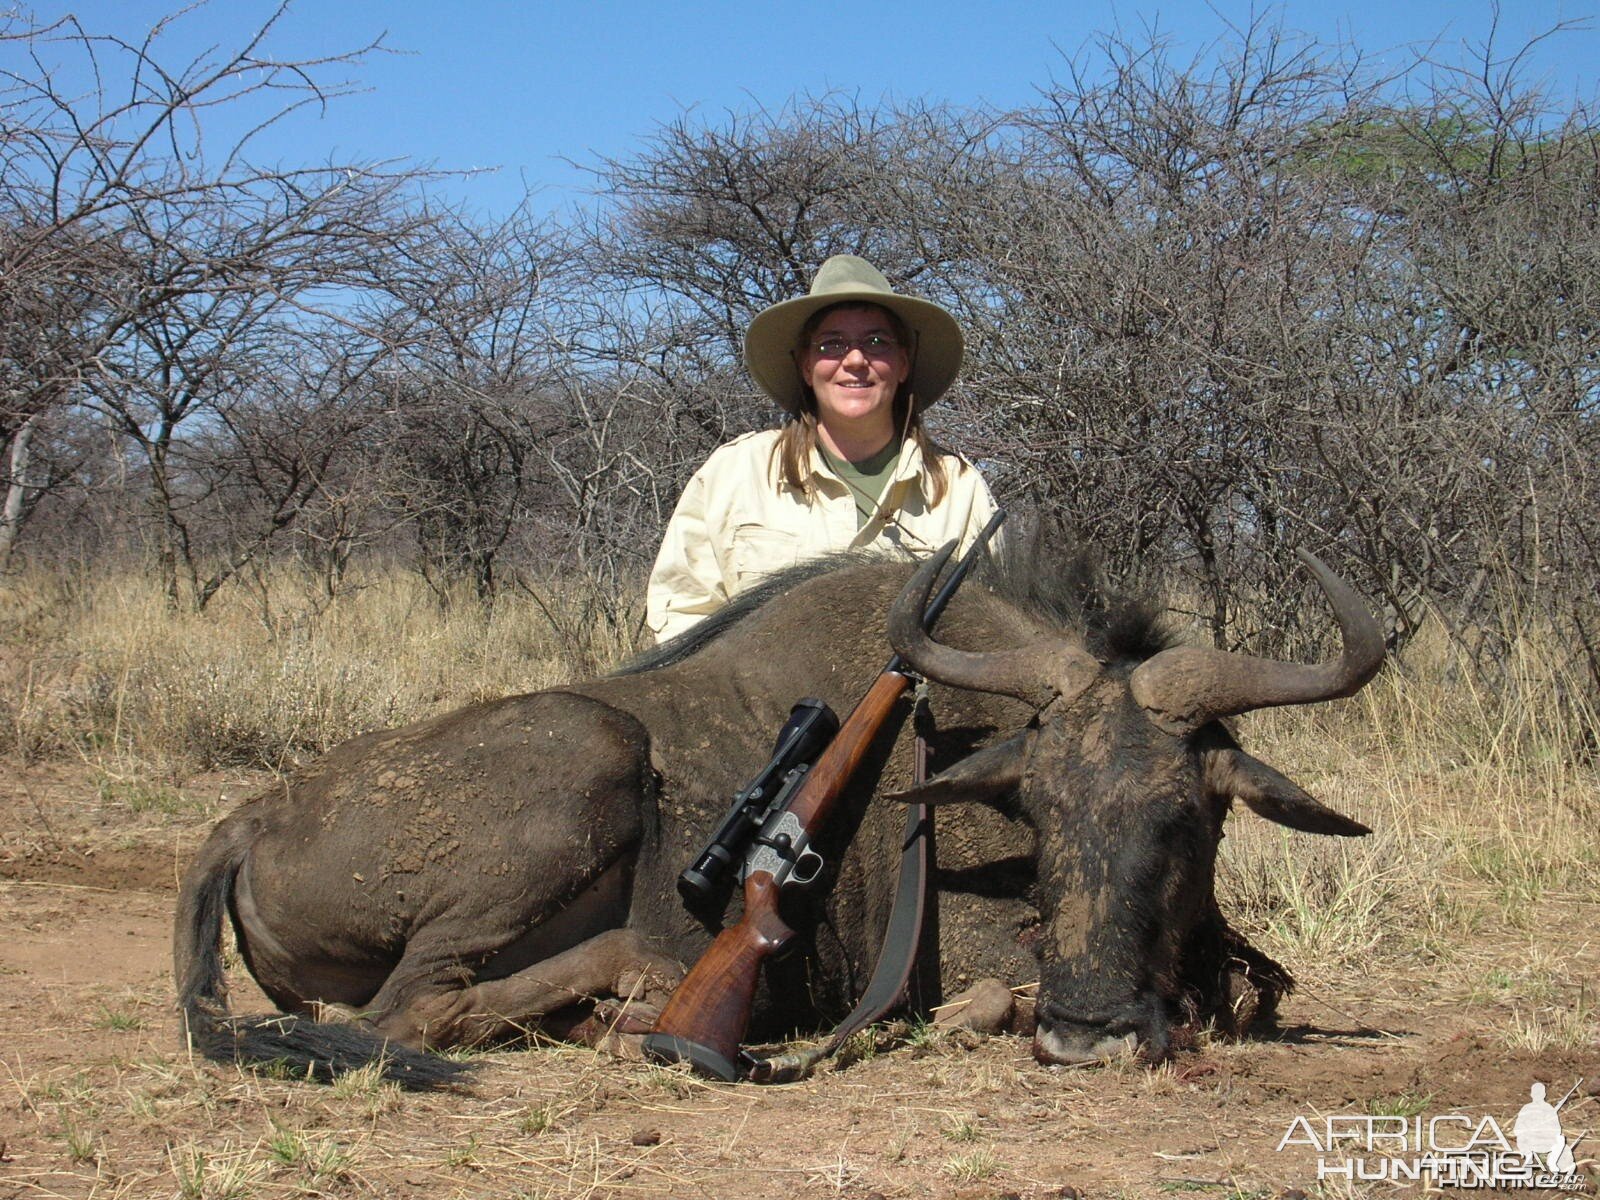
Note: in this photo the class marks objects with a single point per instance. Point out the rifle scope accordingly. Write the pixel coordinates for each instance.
(810, 727)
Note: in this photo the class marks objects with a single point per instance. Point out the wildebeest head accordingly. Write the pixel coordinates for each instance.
(1126, 773)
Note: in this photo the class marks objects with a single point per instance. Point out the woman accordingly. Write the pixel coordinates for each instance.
(853, 364)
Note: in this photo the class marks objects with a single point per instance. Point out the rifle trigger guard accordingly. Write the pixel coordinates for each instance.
(807, 866)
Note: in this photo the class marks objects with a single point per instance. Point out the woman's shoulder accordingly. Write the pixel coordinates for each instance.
(745, 443)
(947, 455)
(748, 449)
(964, 484)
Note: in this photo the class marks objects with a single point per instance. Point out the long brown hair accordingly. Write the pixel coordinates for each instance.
(798, 436)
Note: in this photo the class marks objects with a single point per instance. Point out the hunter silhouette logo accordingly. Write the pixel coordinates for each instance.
(1538, 1131)
(1451, 1150)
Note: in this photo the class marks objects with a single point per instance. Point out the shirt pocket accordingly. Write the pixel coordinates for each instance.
(758, 551)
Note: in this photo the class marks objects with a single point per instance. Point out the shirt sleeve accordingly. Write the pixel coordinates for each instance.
(686, 582)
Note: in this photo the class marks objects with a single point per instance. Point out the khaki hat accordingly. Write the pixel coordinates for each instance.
(769, 343)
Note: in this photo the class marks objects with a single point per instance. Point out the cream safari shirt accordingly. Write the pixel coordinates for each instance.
(736, 523)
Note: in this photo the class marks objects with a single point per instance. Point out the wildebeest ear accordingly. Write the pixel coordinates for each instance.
(979, 778)
(1274, 796)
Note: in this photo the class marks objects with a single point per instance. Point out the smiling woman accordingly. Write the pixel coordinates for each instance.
(853, 364)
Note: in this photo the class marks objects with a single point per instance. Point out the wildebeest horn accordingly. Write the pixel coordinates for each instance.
(1037, 672)
(1186, 686)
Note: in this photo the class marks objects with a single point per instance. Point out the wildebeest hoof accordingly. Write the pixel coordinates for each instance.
(1242, 1003)
(616, 1029)
(637, 1017)
(1024, 1016)
(985, 1007)
(334, 1014)
(650, 982)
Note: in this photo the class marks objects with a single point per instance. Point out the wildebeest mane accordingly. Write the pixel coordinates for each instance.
(1060, 584)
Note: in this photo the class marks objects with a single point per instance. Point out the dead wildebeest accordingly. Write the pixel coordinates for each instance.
(471, 876)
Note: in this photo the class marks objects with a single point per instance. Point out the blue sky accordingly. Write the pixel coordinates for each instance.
(522, 86)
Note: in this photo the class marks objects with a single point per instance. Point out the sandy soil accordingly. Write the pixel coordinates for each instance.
(98, 1097)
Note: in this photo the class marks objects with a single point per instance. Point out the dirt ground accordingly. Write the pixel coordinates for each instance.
(99, 1099)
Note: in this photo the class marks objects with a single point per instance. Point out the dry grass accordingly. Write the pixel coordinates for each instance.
(1484, 806)
(102, 669)
(1484, 802)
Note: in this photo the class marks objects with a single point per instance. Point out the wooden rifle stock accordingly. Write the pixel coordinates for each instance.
(706, 1017)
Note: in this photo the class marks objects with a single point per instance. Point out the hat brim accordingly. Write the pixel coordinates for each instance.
(771, 340)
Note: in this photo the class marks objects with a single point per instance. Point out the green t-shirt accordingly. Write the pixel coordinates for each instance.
(866, 479)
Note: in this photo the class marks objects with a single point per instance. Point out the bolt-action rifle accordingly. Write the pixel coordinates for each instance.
(706, 1018)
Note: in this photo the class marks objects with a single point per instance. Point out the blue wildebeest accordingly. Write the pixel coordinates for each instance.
(485, 871)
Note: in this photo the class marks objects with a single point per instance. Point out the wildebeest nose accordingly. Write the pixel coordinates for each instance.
(1077, 1040)
(1066, 1040)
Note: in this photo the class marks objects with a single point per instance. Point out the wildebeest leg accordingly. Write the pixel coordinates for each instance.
(618, 962)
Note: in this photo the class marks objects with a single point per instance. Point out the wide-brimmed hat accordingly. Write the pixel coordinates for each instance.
(769, 344)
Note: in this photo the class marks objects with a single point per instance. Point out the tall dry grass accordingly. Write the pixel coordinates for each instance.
(101, 668)
(1483, 861)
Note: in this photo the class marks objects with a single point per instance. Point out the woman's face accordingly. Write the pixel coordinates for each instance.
(855, 392)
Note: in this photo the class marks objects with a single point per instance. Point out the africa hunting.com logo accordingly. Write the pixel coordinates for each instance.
(1453, 1150)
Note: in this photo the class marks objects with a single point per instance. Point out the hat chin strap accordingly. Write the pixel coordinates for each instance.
(886, 511)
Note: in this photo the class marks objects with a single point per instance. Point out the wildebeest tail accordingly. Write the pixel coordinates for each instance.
(295, 1045)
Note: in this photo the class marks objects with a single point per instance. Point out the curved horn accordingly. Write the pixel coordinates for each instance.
(1186, 686)
(1036, 673)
